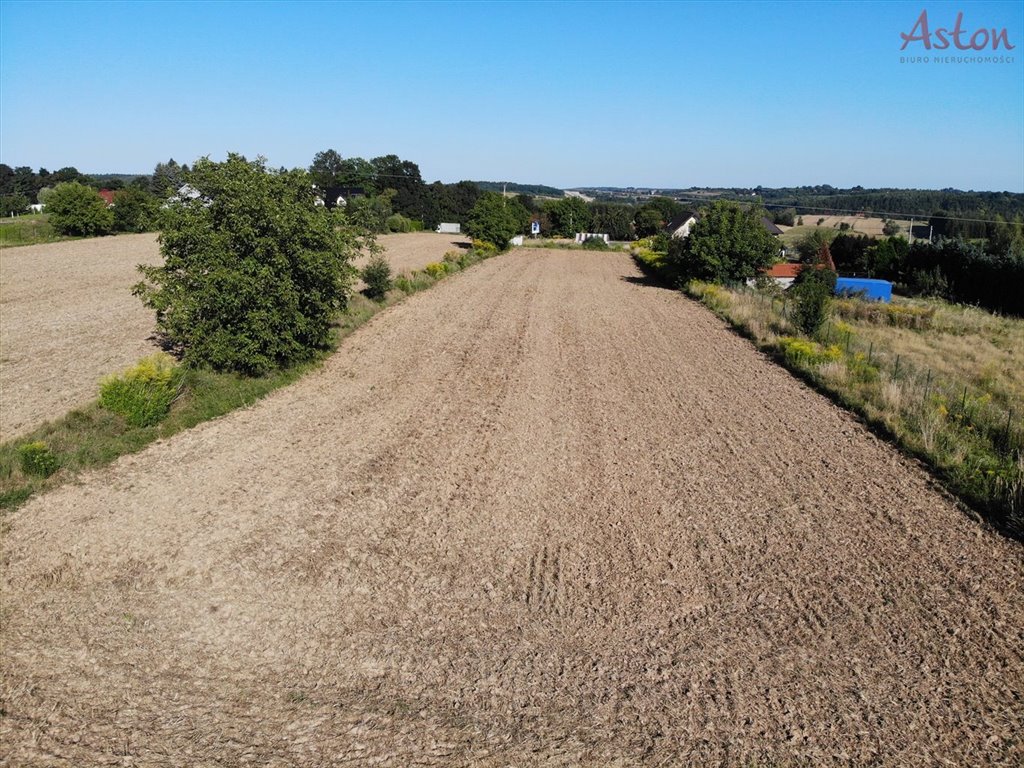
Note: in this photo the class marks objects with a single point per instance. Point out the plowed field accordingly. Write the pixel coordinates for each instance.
(541, 514)
(67, 317)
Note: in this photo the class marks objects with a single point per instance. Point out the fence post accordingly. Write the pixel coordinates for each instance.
(896, 373)
(963, 402)
(1009, 418)
(927, 386)
(871, 349)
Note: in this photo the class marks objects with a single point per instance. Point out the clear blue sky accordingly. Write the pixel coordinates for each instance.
(569, 94)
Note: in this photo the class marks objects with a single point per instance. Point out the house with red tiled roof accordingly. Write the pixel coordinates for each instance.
(107, 195)
(785, 273)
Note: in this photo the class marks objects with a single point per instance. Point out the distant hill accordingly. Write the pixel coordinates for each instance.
(519, 189)
(920, 203)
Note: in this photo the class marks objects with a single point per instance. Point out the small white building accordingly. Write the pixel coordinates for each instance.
(448, 228)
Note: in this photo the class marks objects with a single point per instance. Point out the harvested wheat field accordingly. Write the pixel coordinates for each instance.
(541, 514)
(67, 319)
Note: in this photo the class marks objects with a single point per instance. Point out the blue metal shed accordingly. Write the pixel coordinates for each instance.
(872, 290)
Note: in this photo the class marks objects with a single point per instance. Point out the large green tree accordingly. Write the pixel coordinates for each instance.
(76, 209)
(496, 219)
(568, 216)
(254, 270)
(728, 243)
(613, 219)
(326, 169)
(167, 178)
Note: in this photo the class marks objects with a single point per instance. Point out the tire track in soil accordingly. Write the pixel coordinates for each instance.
(541, 514)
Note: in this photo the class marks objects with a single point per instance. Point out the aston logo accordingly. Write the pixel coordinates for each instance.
(964, 40)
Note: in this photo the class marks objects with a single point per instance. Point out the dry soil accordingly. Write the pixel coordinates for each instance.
(67, 317)
(541, 514)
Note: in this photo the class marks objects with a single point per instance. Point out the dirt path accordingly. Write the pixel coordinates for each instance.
(67, 317)
(541, 514)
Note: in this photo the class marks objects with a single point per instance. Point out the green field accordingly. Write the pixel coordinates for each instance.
(29, 229)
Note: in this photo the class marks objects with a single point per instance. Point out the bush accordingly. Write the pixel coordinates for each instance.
(76, 209)
(135, 210)
(396, 222)
(143, 394)
(436, 270)
(812, 296)
(595, 244)
(377, 276)
(37, 459)
(254, 270)
(485, 249)
(806, 352)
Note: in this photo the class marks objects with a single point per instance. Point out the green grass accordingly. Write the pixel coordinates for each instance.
(29, 229)
(92, 436)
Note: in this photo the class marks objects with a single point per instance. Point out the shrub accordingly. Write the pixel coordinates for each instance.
(436, 270)
(484, 248)
(135, 210)
(254, 270)
(37, 459)
(812, 296)
(804, 352)
(377, 276)
(76, 209)
(143, 394)
(595, 244)
(396, 222)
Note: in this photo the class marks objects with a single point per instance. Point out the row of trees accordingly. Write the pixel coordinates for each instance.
(405, 193)
(989, 273)
(78, 210)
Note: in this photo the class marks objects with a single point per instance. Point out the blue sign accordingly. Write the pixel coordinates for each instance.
(535, 228)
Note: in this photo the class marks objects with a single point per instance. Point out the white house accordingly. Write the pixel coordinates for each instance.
(681, 225)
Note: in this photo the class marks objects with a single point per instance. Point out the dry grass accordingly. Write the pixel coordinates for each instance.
(859, 225)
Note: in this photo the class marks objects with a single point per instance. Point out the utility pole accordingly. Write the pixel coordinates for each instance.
(910, 233)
